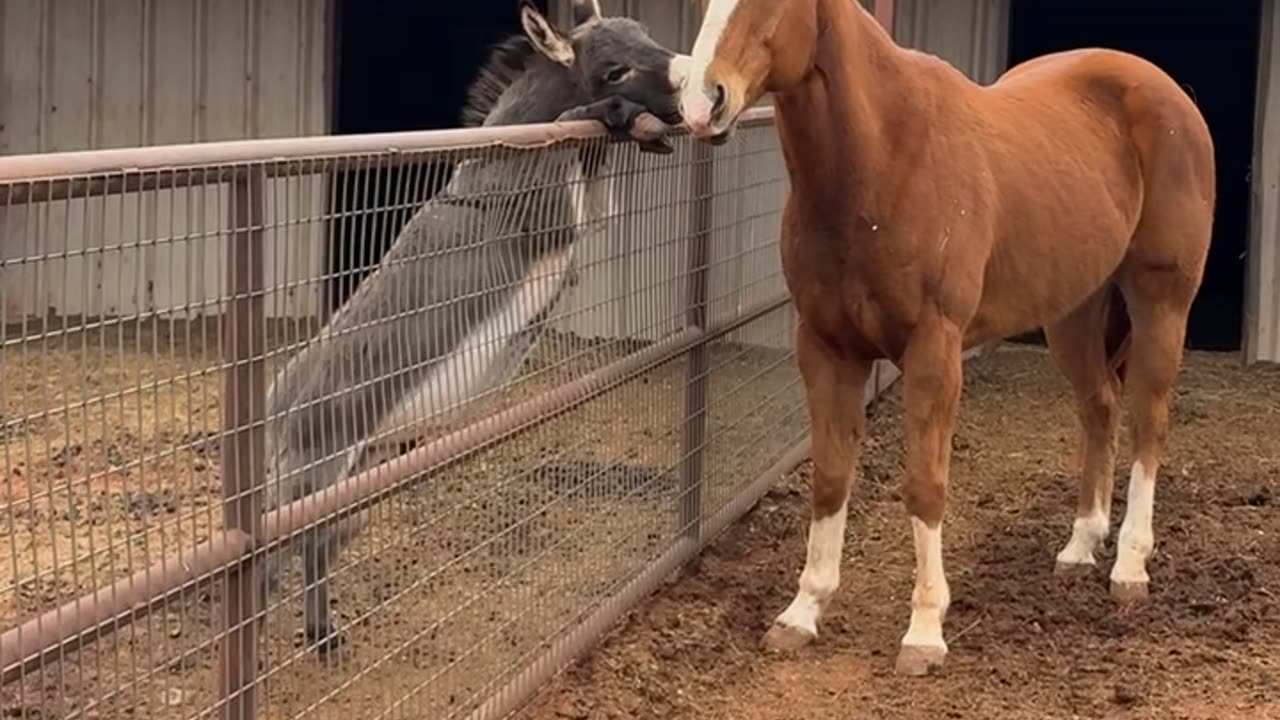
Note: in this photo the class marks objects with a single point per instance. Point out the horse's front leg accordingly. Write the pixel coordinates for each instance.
(834, 388)
(931, 377)
(625, 119)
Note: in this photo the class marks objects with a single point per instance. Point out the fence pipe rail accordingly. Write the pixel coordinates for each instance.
(243, 454)
(200, 163)
(693, 437)
(26, 646)
(231, 555)
(579, 638)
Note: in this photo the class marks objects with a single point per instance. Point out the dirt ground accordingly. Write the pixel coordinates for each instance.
(1023, 644)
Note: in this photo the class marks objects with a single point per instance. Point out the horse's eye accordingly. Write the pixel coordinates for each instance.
(617, 74)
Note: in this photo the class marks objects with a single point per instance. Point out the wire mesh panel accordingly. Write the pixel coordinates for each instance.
(372, 433)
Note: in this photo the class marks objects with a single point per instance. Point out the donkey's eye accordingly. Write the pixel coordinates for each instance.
(617, 75)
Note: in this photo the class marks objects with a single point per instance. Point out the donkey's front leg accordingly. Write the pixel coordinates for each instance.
(625, 119)
(834, 387)
(931, 377)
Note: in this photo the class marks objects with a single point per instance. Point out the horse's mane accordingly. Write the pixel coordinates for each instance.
(507, 61)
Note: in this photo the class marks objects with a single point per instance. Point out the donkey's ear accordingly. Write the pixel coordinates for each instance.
(545, 38)
(584, 11)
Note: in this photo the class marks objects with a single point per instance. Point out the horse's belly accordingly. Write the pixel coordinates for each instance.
(1048, 279)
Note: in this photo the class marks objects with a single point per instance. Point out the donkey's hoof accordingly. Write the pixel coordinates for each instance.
(920, 660)
(786, 639)
(1129, 591)
(1068, 570)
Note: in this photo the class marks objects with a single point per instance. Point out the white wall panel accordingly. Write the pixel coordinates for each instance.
(88, 74)
(1262, 290)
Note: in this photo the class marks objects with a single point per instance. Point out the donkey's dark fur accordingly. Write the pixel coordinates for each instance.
(473, 274)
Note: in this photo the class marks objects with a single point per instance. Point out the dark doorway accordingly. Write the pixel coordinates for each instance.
(1211, 48)
(399, 65)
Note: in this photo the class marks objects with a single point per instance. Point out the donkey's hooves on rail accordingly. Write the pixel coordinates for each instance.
(1073, 570)
(920, 660)
(1123, 591)
(786, 639)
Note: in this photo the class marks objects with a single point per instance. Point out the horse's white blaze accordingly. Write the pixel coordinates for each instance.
(1087, 533)
(931, 596)
(821, 574)
(678, 71)
(695, 102)
(1136, 540)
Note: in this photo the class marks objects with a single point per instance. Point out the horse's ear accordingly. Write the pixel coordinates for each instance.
(584, 11)
(545, 38)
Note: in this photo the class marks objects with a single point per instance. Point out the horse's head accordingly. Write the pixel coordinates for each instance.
(744, 49)
(610, 56)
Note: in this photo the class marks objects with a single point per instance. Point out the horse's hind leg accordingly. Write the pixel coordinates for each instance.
(1159, 301)
(1081, 348)
(1159, 279)
(834, 389)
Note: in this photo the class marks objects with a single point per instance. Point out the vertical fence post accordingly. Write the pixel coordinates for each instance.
(242, 452)
(693, 443)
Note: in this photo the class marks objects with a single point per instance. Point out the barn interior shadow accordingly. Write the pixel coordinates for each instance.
(1211, 49)
(392, 75)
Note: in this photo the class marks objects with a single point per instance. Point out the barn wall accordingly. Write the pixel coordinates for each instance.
(1262, 296)
(89, 74)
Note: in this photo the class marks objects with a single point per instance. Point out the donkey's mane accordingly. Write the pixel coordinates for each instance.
(507, 62)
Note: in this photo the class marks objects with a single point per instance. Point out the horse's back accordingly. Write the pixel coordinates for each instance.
(1079, 151)
(1145, 101)
(1157, 118)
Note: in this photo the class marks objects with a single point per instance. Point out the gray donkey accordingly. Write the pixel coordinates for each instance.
(461, 296)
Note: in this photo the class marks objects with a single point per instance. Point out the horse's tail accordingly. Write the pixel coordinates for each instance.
(1118, 332)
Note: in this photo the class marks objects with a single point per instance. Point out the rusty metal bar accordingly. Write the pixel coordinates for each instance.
(581, 637)
(129, 180)
(243, 459)
(66, 628)
(693, 438)
(179, 165)
(43, 638)
(359, 491)
(584, 635)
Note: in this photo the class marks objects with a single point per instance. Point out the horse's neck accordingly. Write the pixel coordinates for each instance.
(848, 100)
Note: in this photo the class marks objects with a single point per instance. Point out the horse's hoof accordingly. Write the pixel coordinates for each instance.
(1073, 570)
(1127, 592)
(920, 660)
(786, 639)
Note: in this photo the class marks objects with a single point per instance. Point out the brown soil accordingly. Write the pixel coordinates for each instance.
(1024, 644)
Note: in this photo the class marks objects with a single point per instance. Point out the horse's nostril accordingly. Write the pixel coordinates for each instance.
(718, 102)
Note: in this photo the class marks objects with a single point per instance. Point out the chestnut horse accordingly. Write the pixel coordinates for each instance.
(928, 215)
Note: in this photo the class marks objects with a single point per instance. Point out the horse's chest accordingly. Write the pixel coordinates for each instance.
(839, 297)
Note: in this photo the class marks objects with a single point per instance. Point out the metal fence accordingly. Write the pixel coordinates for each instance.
(637, 395)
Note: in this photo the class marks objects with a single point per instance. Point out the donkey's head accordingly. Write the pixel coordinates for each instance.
(610, 57)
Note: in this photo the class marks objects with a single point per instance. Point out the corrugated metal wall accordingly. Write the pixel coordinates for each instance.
(85, 74)
(1262, 295)
(970, 34)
